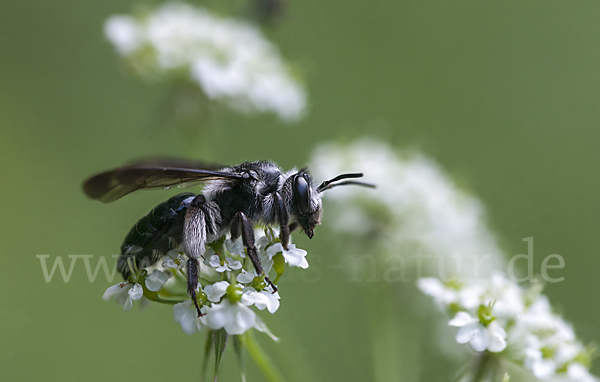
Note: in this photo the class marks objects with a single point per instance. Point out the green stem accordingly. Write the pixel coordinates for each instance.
(390, 336)
(261, 359)
(168, 302)
(485, 363)
(461, 374)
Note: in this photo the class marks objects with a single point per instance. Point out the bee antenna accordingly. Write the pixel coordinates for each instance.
(326, 185)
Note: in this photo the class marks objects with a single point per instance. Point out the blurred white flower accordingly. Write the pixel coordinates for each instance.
(124, 294)
(185, 313)
(169, 263)
(124, 33)
(156, 280)
(235, 247)
(417, 211)
(477, 334)
(578, 372)
(236, 317)
(229, 59)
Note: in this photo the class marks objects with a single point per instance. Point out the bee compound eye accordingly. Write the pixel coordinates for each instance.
(301, 194)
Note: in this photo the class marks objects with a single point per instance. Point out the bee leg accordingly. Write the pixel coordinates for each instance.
(294, 226)
(283, 219)
(193, 272)
(194, 240)
(242, 226)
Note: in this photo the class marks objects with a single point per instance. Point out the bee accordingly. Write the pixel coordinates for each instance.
(232, 201)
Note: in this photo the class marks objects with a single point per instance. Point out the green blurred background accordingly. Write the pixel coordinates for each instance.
(504, 94)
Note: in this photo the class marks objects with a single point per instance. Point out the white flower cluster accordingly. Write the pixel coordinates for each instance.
(227, 290)
(415, 209)
(499, 316)
(229, 59)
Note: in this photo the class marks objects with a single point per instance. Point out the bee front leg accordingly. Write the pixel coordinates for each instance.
(194, 240)
(242, 226)
(283, 219)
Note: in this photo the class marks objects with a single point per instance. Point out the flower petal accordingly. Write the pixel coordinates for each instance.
(136, 292)
(127, 304)
(114, 290)
(261, 327)
(235, 247)
(481, 339)
(461, 319)
(245, 277)
(215, 291)
(180, 309)
(219, 315)
(497, 337)
(296, 257)
(234, 264)
(156, 280)
(214, 261)
(543, 368)
(466, 333)
(244, 319)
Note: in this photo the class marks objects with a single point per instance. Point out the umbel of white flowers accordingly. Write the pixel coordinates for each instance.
(496, 315)
(416, 211)
(230, 60)
(228, 288)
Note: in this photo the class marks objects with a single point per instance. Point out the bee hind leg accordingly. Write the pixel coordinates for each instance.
(194, 239)
(193, 271)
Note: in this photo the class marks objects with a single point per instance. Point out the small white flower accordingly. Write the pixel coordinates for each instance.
(186, 314)
(156, 280)
(233, 265)
(228, 265)
(235, 247)
(261, 242)
(236, 318)
(295, 257)
(542, 368)
(266, 260)
(169, 263)
(124, 294)
(215, 291)
(245, 277)
(263, 299)
(491, 337)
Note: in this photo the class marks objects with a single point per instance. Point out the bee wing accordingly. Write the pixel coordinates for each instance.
(167, 161)
(114, 184)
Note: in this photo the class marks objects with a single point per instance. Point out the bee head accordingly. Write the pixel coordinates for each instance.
(303, 200)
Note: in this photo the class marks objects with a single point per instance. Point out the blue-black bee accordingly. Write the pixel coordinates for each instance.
(233, 200)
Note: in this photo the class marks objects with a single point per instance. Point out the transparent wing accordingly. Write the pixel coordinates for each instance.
(114, 184)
